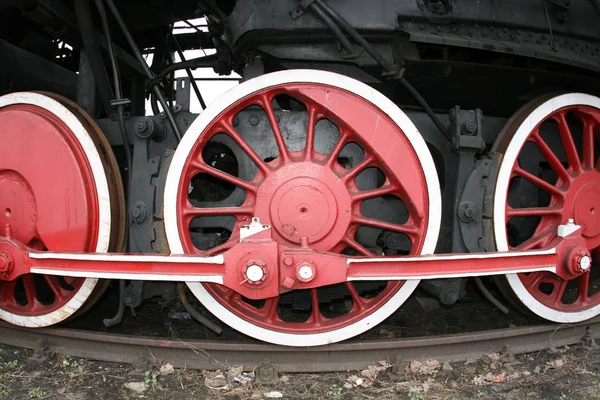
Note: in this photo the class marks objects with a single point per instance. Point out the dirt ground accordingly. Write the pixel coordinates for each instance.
(565, 373)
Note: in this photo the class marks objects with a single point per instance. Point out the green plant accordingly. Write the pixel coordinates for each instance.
(335, 390)
(12, 364)
(36, 393)
(415, 395)
(150, 379)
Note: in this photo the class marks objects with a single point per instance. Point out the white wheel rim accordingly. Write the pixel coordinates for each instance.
(500, 197)
(287, 77)
(104, 219)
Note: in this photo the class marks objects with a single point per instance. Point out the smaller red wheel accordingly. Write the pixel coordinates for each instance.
(550, 174)
(60, 190)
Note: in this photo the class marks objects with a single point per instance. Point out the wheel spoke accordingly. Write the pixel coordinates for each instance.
(588, 143)
(270, 308)
(552, 159)
(358, 301)
(368, 194)
(283, 151)
(351, 174)
(337, 149)
(357, 246)
(316, 313)
(583, 284)
(310, 134)
(375, 223)
(234, 180)
(533, 279)
(54, 285)
(233, 133)
(568, 143)
(532, 211)
(223, 247)
(536, 241)
(559, 291)
(539, 182)
(191, 212)
(30, 290)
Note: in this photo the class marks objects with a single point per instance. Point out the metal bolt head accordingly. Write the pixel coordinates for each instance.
(254, 120)
(288, 282)
(288, 260)
(305, 271)
(141, 125)
(584, 263)
(6, 262)
(570, 221)
(255, 273)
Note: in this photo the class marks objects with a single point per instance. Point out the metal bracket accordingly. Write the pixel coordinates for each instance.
(182, 93)
(252, 229)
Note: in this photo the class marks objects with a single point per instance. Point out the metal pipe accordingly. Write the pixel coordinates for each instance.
(383, 62)
(318, 11)
(200, 62)
(189, 73)
(117, 88)
(108, 322)
(138, 54)
(195, 314)
(490, 297)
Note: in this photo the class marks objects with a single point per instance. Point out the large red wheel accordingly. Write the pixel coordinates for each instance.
(306, 187)
(60, 190)
(550, 174)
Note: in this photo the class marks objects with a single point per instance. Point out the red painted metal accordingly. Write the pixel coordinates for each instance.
(306, 194)
(281, 265)
(47, 199)
(575, 195)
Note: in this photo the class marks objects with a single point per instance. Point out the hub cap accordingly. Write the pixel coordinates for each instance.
(307, 187)
(54, 195)
(549, 174)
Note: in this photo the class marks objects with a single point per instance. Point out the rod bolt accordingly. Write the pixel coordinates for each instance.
(139, 212)
(288, 260)
(305, 271)
(255, 272)
(288, 282)
(6, 262)
(584, 261)
(144, 128)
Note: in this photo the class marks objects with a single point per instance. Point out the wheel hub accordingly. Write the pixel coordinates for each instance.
(307, 200)
(18, 206)
(586, 204)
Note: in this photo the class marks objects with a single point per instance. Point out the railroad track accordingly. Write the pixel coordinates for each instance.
(214, 354)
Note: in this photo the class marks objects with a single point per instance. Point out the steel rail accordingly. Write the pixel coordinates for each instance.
(350, 355)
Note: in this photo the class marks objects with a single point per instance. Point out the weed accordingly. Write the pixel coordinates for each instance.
(415, 395)
(36, 393)
(150, 379)
(335, 390)
(12, 364)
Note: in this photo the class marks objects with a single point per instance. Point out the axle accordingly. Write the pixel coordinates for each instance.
(259, 268)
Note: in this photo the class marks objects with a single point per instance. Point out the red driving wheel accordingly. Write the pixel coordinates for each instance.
(304, 191)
